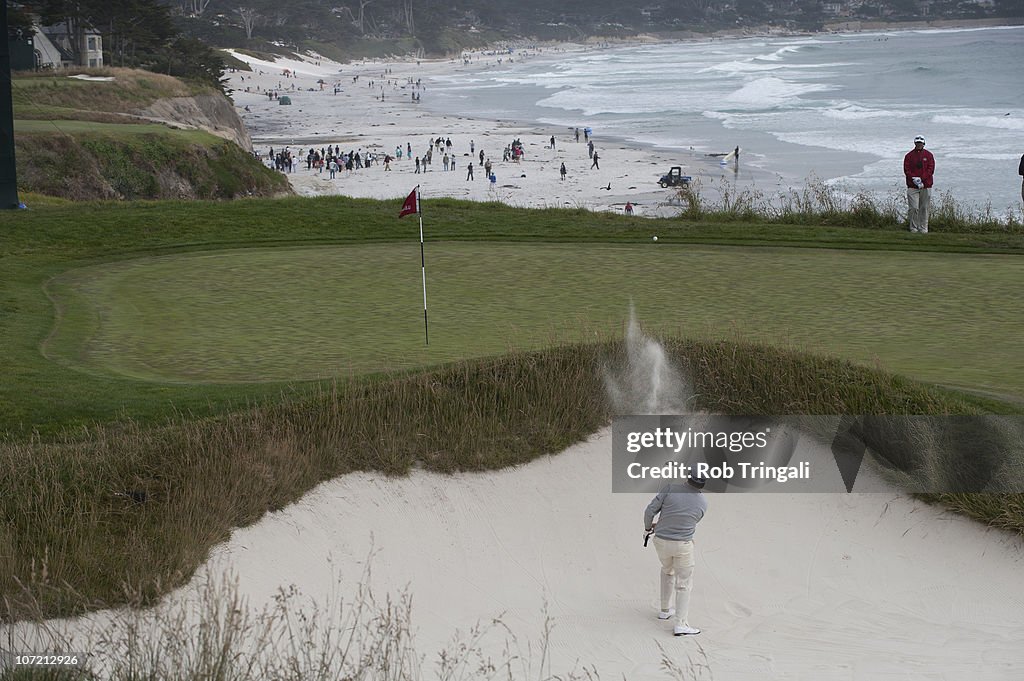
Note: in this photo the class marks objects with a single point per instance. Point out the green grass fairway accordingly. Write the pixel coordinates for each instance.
(116, 129)
(307, 312)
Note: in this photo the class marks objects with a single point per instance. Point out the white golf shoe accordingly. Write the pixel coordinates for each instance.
(685, 630)
(665, 614)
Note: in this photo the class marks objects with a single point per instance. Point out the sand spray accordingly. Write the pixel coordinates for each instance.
(648, 382)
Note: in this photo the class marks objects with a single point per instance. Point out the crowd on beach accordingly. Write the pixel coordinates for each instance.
(333, 159)
(276, 93)
(520, 167)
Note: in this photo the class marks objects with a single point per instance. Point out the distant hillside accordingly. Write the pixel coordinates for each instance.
(353, 28)
(127, 134)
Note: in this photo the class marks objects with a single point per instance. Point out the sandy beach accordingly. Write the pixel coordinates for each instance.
(804, 109)
(373, 110)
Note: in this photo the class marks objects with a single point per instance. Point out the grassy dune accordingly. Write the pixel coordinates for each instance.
(77, 127)
(131, 161)
(83, 140)
(34, 92)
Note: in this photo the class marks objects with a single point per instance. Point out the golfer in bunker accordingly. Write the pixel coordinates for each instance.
(679, 508)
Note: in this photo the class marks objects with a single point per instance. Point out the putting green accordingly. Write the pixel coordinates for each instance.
(301, 313)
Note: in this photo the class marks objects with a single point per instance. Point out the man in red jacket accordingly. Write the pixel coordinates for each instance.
(918, 167)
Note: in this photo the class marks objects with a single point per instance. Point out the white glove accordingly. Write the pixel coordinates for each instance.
(917, 182)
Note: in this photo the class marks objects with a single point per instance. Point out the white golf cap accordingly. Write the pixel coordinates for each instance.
(919, 138)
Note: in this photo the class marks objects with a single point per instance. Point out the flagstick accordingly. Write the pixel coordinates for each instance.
(423, 269)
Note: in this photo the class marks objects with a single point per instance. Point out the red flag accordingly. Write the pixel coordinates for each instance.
(411, 205)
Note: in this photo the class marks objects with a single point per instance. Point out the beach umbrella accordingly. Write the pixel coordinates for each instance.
(321, 82)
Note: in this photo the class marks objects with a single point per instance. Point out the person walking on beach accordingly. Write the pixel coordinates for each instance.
(562, 171)
(918, 168)
(679, 508)
(594, 164)
(577, 134)
(417, 165)
(590, 148)
(552, 142)
(469, 171)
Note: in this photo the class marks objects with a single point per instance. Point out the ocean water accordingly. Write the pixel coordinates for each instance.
(844, 108)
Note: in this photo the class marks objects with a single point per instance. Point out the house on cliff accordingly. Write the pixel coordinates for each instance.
(60, 46)
(55, 46)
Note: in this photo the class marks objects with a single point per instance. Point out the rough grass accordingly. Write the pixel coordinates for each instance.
(81, 140)
(85, 160)
(77, 536)
(353, 633)
(818, 203)
(113, 129)
(130, 90)
(58, 118)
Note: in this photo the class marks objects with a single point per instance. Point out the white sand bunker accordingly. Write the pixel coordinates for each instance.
(824, 586)
(787, 586)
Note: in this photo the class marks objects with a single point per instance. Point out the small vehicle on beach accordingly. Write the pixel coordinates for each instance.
(674, 178)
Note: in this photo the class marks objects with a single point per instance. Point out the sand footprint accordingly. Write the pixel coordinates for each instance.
(737, 610)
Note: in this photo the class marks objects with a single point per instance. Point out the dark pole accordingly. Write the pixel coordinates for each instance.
(8, 170)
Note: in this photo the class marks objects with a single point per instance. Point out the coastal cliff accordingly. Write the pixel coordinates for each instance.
(212, 112)
(124, 134)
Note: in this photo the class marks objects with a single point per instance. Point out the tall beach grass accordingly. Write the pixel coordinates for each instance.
(819, 203)
(214, 634)
(139, 507)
